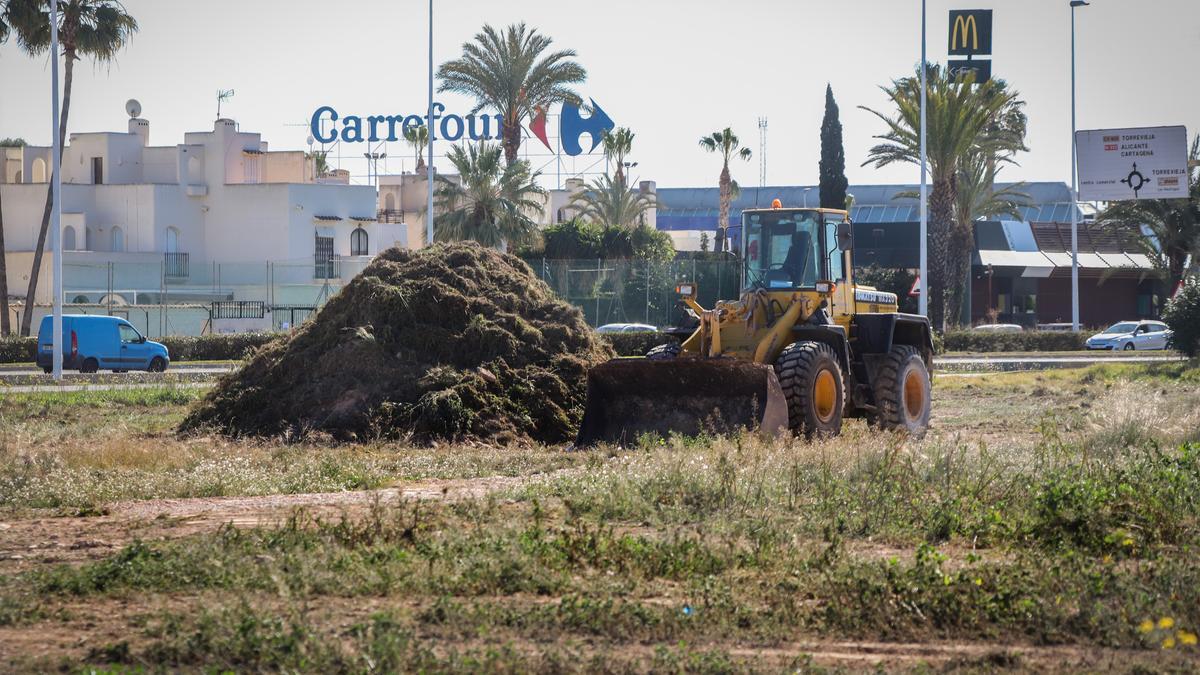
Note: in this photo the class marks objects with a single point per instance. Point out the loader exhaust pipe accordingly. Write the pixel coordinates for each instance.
(627, 398)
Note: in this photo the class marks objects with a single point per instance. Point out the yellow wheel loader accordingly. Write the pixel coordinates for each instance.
(801, 349)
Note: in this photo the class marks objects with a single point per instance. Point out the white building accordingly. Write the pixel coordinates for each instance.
(216, 217)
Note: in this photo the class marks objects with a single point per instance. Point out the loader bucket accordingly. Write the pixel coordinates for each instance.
(630, 397)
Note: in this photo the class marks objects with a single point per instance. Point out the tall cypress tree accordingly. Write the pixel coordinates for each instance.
(833, 157)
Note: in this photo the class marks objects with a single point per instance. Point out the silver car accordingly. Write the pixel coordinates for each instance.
(1132, 335)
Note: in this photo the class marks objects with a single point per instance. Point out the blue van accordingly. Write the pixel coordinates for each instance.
(93, 342)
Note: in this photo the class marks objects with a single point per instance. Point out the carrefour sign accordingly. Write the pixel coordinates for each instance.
(328, 126)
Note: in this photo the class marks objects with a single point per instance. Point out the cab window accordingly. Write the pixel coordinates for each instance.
(129, 334)
(837, 268)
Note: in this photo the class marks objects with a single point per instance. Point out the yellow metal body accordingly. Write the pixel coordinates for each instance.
(757, 326)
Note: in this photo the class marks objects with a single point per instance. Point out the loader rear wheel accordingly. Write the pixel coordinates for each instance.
(903, 391)
(811, 380)
(667, 351)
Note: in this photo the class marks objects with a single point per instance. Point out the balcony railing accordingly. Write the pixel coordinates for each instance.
(327, 266)
(393, 216)
(176, 265)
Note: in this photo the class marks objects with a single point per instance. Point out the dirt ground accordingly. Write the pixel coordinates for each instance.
(1010, 412)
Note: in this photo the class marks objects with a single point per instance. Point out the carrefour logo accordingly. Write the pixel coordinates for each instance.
(328, 126)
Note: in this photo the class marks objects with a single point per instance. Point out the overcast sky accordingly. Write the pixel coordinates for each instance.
(671, 71)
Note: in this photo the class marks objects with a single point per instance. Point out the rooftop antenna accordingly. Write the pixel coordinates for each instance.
(762, 152)
(222, 96)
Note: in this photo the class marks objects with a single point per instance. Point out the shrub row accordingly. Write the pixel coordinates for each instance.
(181, 347)
(1026, 341)
(238, 345)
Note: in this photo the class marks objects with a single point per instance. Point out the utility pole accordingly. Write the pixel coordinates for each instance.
(1074, 186)
(56, 212)
(762, 152)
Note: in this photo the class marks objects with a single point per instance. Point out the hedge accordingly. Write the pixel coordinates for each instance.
(1024, 341)
(181, 347)
(235, 346)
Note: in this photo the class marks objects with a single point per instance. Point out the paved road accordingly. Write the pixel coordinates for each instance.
(1085, 360)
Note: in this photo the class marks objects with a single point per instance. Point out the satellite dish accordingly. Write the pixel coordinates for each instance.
(133, 107)
(311, 140)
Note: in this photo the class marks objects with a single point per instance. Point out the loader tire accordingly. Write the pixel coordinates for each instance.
(903, 391)
(662, 352)
(811, 380)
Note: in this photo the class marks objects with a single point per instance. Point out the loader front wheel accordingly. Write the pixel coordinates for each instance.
(667, 351)
(811, 380)
(903, 392)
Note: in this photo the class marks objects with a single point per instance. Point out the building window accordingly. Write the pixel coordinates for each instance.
(358, 242)
(68, 238)
(172, 240)
(118, 239)
(325, 262)
(97, 171)
(39, 170)
(252, 169)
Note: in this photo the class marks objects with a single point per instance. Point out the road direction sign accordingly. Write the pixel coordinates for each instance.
(1141, 163)
(982, 69)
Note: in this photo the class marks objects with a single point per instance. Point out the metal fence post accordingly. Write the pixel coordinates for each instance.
(647, 290)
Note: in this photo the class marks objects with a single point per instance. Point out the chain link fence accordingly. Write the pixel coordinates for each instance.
(177, 296)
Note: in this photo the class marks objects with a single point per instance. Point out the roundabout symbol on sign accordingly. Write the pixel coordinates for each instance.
(1135, 180)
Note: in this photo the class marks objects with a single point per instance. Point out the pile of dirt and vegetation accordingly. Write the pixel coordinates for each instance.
(455, 342)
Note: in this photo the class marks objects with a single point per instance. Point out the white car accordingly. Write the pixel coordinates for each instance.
(1131, 335)
(626, 328)
(998, 328)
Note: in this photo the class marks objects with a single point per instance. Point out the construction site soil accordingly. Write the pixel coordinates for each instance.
(456, 342)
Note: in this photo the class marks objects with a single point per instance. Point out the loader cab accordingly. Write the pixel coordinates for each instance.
(791, 249)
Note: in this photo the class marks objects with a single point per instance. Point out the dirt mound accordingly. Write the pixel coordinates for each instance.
(449, 343)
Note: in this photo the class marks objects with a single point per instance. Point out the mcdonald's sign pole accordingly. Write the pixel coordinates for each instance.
(923, 300)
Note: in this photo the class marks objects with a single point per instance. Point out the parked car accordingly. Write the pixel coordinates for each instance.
(626, 328)
(1131, 335)
(999, 328)
(93, 342)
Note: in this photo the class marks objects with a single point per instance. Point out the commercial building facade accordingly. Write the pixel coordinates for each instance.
(1021, 271)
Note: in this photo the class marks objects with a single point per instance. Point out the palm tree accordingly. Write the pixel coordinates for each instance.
(511, 73)
(320, 162)
(727, 144)
(618, 143)
(1173, 225)
(492, 202)
(417, 137)
(610, 203)
(964, 119)
(5, 320)
(97, 29)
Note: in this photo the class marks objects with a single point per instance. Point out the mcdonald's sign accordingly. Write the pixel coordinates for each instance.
(970, 32)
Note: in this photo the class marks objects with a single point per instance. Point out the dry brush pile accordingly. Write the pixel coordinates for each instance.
(455, 342)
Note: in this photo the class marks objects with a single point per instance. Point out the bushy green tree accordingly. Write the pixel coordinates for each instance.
(833, 157)
(1183, 316)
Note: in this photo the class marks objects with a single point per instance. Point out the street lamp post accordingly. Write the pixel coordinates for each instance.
(1074, 185)
(923, 298)
(806, 190)
(56, 213)
(429, 164)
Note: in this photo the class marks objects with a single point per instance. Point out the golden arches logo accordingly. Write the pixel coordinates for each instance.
(965, 23)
